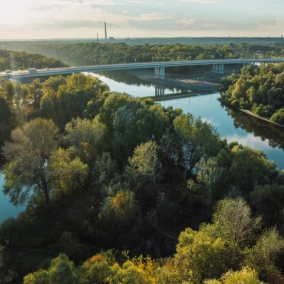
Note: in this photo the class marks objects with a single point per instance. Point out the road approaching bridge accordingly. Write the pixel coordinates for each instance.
(218, 67)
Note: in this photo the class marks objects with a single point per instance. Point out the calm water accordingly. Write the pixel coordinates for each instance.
(236, 126)
(232, 125)
(6, 208)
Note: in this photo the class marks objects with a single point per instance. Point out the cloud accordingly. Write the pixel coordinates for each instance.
(149, 17)
(86, 2)
(124, 12)
(86, 17)
(152, 18)
(200, 24)
(211, 121)
(139, 2)
(249, 140)
(203, 1)
(269, 22)
(147, 3)
(70, 24)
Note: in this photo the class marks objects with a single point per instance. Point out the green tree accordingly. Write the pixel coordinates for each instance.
(278, 116)
(210, 175)
(54, 82)
(35, 167)
(133, 124)
(250, 168)
(198, 140)
(119, 210)
(246, 275)
(5, 120)
(61, 271)
(105, 168)
(65, 172)
(268, 201)
(87, 136)
(27, 156)
(233, 222)
(144, 165)
(199, 256)
(263, 256)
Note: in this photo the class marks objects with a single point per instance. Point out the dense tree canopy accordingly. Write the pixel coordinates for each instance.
(104, 170)
(259, 89)
(200, 256)
(106, 53)
(14, 60)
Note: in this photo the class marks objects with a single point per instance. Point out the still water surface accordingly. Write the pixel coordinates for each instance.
(232, 125)
(6, 208)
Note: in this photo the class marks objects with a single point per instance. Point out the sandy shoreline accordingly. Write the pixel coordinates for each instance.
(194, 83)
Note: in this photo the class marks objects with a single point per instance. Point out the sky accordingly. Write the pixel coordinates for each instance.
(41, 19)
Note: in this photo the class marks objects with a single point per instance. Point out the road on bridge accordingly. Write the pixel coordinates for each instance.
(130, 66)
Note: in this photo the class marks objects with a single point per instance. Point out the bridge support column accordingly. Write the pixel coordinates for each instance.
(160, 72)
(159, 91)
(221, 69)
(218, 68)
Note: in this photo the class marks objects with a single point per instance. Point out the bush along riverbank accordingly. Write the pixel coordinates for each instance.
(257, 89)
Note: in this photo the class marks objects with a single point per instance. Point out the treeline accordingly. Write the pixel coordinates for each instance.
(91, 53)
(21, 60)
(103, 170)
(259, 89)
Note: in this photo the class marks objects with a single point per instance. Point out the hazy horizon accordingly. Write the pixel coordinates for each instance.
(130, 38)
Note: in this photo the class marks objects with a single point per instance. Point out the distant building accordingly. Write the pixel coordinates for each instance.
(105, 31)
(111, 37)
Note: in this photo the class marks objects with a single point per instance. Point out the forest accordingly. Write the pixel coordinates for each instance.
(259, 89)
(122, 190)
(21, 60)
(92, 53)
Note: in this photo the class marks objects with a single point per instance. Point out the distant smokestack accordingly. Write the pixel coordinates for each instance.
(105, 31)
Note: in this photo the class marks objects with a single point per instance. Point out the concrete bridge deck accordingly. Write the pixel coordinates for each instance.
(218, 66)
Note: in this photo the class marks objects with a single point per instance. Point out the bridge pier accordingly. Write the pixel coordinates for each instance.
(160, 72)
(218, 68)
(159, 91)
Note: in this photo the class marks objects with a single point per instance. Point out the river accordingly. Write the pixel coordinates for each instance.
(6, 208)
(232, 125)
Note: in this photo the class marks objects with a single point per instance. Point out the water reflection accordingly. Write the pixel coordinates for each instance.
(254, 141)
(124, 82)
(236, 126)
(259, 128)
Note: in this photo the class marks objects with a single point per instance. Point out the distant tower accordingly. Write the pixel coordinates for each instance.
(97, 37)
(105, 31)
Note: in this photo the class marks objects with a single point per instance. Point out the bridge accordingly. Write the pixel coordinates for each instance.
(217, 67)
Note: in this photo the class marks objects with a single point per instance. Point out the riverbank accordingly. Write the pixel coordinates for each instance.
(260, 117)
(195, 83)
(251, 113)
(198, 79)
(174, 96)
